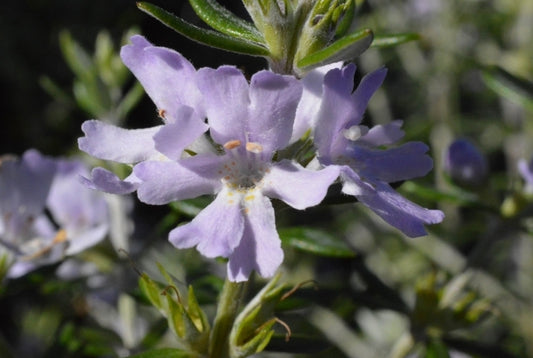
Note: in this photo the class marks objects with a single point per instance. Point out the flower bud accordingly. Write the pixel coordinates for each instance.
(187, 320)
(464, 163)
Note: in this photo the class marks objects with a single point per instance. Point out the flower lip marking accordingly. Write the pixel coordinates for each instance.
(162, 113)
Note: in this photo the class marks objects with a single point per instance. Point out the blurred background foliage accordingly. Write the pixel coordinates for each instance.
(463, 291)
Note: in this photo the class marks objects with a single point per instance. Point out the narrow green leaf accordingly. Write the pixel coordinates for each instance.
(196, 313)
(203, 36)
(223, 20)
(91, 97)
(151, 290)
(316, 241)
(79, 61)
(176, 316)
(164, 353)
(344, 49)
(515, 89)
(165, 274)
(130, 100)
(393, 40)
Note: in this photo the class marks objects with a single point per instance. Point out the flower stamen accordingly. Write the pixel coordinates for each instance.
(254, 147)
(232, 144)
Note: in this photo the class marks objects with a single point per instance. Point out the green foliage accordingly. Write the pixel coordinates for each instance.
(187, 320)
(344, 49)
(223, 20)
(516, 89)
(438, 310)
(253, 327)
(206, 37)
(394, 40)
(99, 79)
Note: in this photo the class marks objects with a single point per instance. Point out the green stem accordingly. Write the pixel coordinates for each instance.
(228, 307)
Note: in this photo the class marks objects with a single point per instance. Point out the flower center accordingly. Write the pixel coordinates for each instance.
(245, 168)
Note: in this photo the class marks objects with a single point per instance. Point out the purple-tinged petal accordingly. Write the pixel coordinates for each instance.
(179, 132)
(336, 111)
(24, 184)
(260, 246)
(88, 237)
(216, 230)
(341, 109)
(526, 170)
(399, 212)
(366, 89)
(226, 98)
(74, 206)
(163, 182)
(108, 142)
(274, 99)
(383, 134)
(167, 76)
(106, 181)
(297, 186)
(311, 100)
(20, 268)
(405, 162)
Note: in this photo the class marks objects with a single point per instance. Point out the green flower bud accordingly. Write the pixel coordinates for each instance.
(187, 320)
(253, 327)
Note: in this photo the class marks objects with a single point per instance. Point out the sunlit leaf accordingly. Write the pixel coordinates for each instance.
(393, 40)
(223, 20)
(203, 36)
(316, 241)
(344, 49)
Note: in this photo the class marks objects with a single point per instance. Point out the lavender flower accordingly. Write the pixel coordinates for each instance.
(77, 216)
(366, 169)
(250, 121)
(465, 163)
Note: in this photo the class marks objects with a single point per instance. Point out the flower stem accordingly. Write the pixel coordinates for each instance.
(228, 307)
